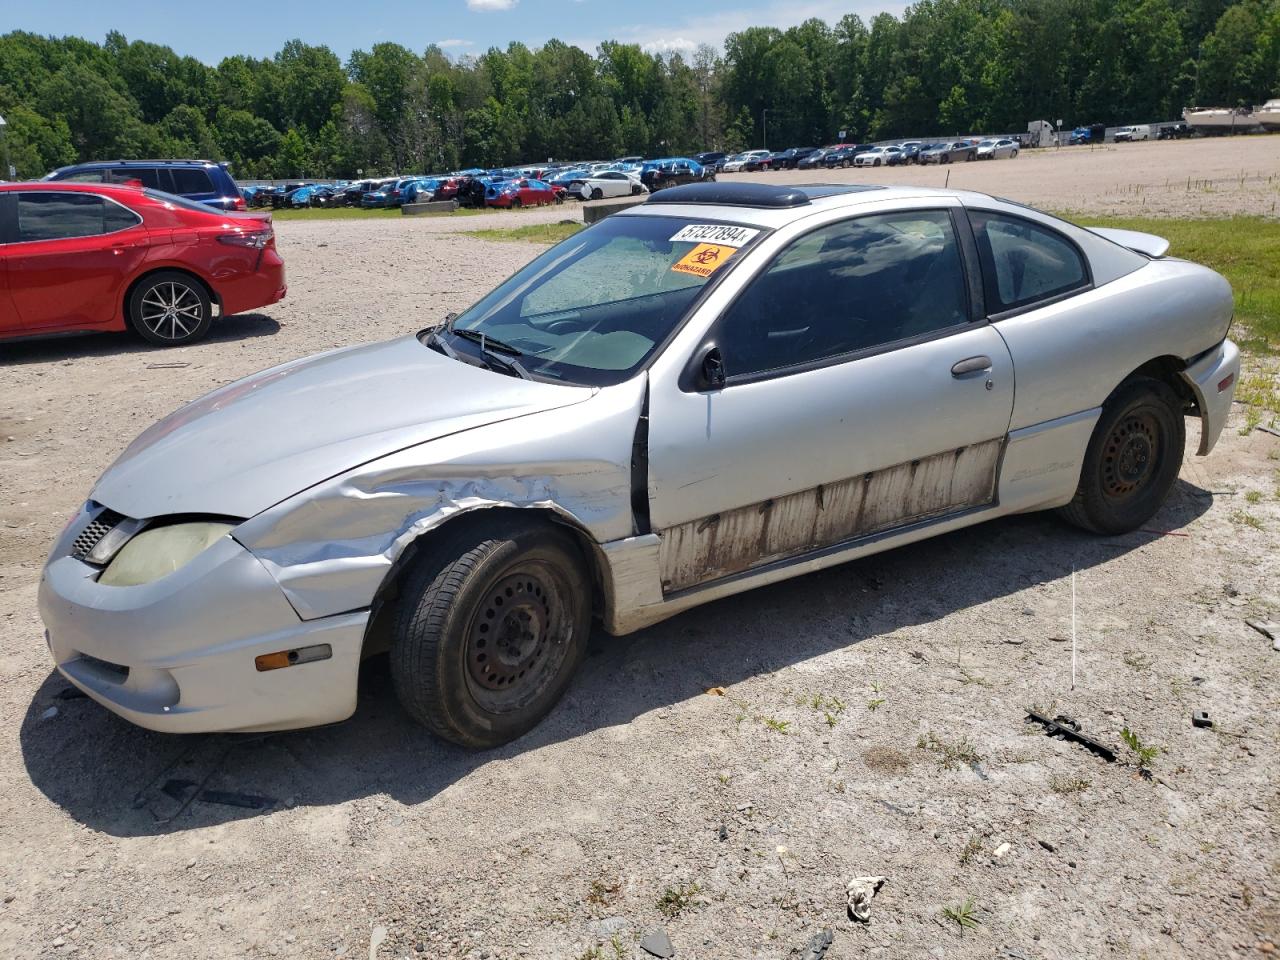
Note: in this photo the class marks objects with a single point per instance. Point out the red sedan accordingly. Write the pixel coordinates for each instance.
(522, 193)
(92, 256)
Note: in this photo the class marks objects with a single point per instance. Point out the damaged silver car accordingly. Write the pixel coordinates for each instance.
(726, 386)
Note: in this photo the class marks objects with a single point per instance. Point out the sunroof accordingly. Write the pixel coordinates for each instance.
(776, 196)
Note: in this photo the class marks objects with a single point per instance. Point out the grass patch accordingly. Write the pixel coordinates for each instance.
(1065, 786)
(1245, 250)
(534, 233)
(950, 755)
(1144, 753)
(676, 900)
(964, 915)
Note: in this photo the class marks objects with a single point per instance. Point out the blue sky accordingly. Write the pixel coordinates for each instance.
(212, 29)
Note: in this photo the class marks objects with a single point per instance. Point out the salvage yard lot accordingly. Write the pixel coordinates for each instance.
(868, 720)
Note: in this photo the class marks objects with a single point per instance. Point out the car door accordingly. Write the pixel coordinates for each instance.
(72, 254)
(9, 321)
(862, 393)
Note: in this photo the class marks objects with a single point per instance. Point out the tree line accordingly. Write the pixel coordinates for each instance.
(945, 67)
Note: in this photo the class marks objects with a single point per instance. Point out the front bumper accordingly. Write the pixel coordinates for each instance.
(1206, 375)
(177, 655)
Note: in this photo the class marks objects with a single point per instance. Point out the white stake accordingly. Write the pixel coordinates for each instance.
(1073, 627)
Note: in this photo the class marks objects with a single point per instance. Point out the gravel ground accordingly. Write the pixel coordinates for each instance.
(871, 720)
(1213, 177)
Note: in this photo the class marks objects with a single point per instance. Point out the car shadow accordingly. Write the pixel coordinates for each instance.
(126, 781)
(241, 326)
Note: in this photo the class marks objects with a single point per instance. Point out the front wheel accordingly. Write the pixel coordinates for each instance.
(490, 630)
(597, 193)
(170, 309)
(1132, 460)
(516, 204)
(635, 190)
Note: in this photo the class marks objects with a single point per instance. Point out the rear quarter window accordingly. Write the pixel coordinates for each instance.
(1024, 263)
(188, 180)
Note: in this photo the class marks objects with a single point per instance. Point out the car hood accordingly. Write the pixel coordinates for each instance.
(252, 443)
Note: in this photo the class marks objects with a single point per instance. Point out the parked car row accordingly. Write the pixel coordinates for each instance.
(869, 155)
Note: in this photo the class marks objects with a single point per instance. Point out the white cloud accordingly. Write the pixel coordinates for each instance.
(685, 35)
(449, 44)
(491, 4)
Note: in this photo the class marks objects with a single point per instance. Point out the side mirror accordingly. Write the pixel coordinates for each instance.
(711, 370)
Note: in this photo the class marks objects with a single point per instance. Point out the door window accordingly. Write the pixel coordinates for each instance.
(849, 287)
(1024, 262)
(61, 216)
(187, 180)
(148, 176)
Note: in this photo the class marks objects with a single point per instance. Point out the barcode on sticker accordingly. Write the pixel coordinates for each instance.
(723, 234)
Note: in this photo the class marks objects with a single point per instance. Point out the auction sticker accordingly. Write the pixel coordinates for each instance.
(719, 233)
(704, 259)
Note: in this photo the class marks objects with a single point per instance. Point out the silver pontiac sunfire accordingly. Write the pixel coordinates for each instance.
(725, 386)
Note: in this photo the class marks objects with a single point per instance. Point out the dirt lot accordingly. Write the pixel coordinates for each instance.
(872, 721)
(1185, 178)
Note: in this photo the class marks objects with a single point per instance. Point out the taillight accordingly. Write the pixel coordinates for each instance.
(238, 204)
(252, 241)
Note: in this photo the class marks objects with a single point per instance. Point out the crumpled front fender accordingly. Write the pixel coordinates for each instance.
(331, 547)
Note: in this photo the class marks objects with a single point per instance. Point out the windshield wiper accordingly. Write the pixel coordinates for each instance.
(435, 340)
(493, 351)
(475, 336)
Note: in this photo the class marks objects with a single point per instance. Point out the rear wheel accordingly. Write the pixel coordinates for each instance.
(170, 308)
(1132, 460)
(516, 204)
(490, 630)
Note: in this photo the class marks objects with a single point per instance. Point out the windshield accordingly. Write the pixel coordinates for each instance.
(594, 308)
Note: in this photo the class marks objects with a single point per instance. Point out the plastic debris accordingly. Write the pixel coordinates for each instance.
(860, 892)
(1200, 718)
(817, 946)
(1064, 728)
(1003, 849)
(375, 941)
(657, 944)
(49, 714)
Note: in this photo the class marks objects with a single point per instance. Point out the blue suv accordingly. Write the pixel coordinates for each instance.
(200, 180)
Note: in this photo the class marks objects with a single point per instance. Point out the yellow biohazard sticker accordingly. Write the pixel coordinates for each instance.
(704, 259)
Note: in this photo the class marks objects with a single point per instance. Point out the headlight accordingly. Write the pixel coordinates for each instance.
(159, 551)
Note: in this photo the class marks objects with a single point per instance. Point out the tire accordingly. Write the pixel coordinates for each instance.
(635, 190)
(170, 308)
(516, 203)
(875, 163)
(489, 631)
(844, 164)
(1132, 460)
(1014, 155)
(596, 193)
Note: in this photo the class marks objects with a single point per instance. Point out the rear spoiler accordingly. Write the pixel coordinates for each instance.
(1147, 244)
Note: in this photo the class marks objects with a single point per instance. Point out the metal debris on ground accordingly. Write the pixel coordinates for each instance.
(1200, 718)
(167, 366)
(817, 946)
(657, 943)
(1271, 430)
(859, 893)
(1064, 728)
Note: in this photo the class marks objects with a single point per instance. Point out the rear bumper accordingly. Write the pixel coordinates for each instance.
(250, 291)
(1212, 378)
(177, 655)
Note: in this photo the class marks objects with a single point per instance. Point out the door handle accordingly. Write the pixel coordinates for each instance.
(971, 365)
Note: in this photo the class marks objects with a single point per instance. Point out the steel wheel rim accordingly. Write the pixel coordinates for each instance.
(1131, 455)
(518, 638)
(171, 310)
